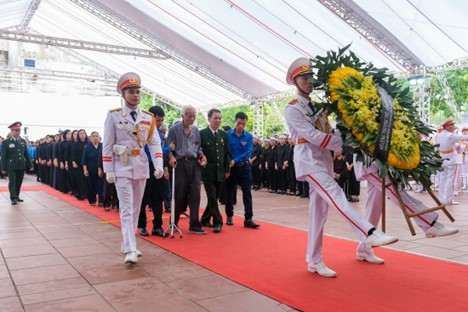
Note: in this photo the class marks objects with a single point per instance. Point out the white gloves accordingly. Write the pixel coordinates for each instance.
(158, 172)
(110, 177)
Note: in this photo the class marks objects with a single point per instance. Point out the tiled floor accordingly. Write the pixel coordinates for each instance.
(55, 257)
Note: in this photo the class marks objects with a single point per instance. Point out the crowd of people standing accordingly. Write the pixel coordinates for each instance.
(130, 169)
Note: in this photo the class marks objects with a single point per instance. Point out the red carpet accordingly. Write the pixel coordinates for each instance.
(270, 260)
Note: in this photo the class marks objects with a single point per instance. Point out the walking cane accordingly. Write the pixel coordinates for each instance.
(172, 226)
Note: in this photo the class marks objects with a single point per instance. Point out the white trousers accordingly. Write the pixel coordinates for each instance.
(374, 205)
(325, 192)
(447, 184)
(130, 193)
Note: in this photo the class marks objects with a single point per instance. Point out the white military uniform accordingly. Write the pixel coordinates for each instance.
(447, 149)
(123, 153)
(374, 200)
(313, 163)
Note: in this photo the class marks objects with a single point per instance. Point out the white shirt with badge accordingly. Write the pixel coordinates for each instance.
(312, 128)
(124, 141)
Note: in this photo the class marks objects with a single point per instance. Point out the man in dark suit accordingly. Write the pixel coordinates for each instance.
(14, 161)
(215, 146)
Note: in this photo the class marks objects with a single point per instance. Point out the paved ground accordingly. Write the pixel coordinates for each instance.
(55, 257)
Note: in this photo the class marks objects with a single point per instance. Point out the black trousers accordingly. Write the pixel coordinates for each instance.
(95, 187)
(256, 176)
(213, 190)
(110, 194)
(153, 197)
(80, 182)
(291, 178)
(243, 176)
(282, 179)
(272, 177)
(187, 189)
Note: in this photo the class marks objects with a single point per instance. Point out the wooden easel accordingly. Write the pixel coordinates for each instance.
(407, 215)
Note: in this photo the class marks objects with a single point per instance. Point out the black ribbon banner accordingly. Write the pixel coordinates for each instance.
(384, 137)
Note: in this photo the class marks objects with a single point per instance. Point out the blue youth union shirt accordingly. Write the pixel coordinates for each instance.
(241, 146)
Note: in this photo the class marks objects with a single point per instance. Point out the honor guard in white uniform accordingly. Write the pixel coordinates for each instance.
(427, 222)
(309, 127)
(126, 132)
(447, 141)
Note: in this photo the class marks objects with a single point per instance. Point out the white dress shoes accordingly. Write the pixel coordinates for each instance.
(452, 202)
(131, 257)
(379, 238)
(369, 257)
(438, 229)
(139, 253)
(321, 269)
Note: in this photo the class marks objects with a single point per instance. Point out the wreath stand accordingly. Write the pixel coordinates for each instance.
(408, 215)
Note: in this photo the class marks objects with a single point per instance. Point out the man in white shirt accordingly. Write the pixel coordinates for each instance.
(309, 127)
(126, 132)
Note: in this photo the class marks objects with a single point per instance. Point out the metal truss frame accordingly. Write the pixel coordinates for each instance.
(421, 78)
(258, 118)
(131, 29)
(33, 6)
(22, 80)
(373, 31)
(110, 73)
(80, 44)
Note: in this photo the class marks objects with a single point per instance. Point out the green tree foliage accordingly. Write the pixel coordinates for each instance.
(458, 83)
(229, 114)
(272, 121)
(202, 121)
(172, 113)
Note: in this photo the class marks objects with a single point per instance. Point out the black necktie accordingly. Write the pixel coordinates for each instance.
(312, 107)
(133, 114)
(215, 133)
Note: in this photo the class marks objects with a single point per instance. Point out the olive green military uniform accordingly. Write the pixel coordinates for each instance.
(216, 150)
(15, 160)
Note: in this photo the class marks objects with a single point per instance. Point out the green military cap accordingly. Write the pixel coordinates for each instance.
(15, 125)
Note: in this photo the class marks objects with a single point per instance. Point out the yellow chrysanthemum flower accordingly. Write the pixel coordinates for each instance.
(360, 110)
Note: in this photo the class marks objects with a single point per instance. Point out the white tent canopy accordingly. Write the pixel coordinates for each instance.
(222, 51)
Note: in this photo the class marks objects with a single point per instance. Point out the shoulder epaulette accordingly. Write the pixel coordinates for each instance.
(149, 113)
(293, 102)
(115, 109)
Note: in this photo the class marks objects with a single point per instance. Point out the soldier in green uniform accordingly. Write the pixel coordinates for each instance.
(215, 146)
(15, 160)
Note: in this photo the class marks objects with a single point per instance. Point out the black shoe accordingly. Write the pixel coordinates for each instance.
(207, 224)
(304, 196)
(251, 224)
(143, 232)
(196, 230)
(229, 221)
(158, 232)
(92, 204)
(107, 208)
(101, 204)
(217, 228)
(19, 200)
(14, 202)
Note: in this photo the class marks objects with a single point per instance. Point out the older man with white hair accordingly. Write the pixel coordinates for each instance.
(187, 159)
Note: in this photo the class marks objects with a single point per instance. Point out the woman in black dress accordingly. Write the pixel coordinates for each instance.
(76, 166)
(90, 162)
